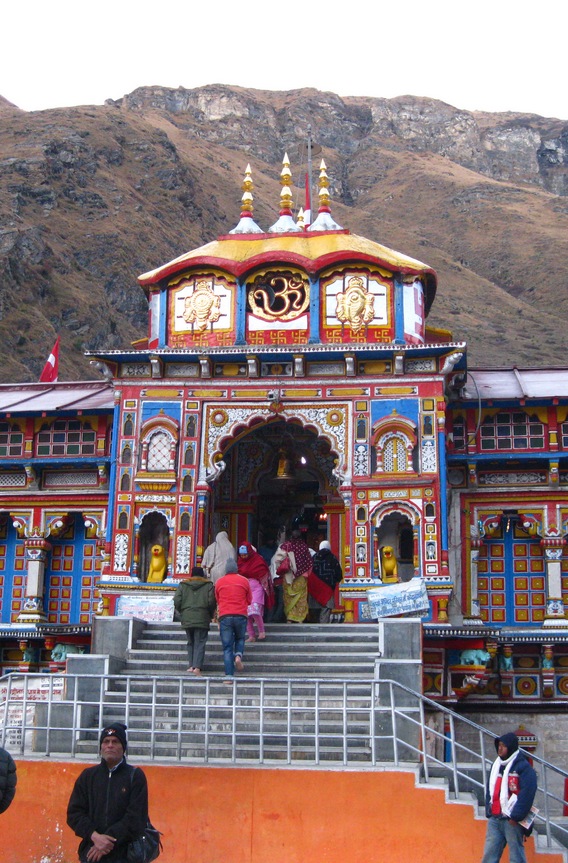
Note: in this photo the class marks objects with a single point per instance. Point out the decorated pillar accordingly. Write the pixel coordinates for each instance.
(486, 527)
(547, 671)
(553, 544)
(346, 494)
(203, 495)
(506, 670)
(37, 548)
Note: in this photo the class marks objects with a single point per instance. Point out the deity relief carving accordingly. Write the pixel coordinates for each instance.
(202, 307)
(355, 305)
(278, 296)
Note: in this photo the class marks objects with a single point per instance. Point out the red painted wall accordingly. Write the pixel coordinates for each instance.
(218, 814)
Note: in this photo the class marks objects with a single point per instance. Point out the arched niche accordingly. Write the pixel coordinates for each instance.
(153, 530)
(397, 528)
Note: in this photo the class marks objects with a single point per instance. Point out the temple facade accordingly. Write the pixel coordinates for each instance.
(289, 378)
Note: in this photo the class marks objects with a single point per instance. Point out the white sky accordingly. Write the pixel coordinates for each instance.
(493, 56)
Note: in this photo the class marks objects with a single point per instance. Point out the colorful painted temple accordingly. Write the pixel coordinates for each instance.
(289, 379)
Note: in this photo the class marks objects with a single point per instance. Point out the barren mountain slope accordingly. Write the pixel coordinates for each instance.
(90, 197)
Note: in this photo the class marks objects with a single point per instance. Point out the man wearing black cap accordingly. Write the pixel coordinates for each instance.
(108, 806)
(511, 789)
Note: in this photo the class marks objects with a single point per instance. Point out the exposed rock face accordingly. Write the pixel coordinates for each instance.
(522, 148)
(90, 197)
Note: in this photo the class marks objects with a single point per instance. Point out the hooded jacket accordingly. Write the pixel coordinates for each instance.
(527, 784)
(194, 600)
(7, 779)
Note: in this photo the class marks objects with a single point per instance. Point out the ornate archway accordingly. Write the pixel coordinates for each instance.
(274, 473)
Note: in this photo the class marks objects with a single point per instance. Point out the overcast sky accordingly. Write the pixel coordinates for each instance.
(501, 55)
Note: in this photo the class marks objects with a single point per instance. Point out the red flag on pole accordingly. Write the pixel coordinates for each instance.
(51, 368)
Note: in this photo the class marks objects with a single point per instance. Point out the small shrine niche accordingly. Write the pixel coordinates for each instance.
(154, 533)
(396, 533)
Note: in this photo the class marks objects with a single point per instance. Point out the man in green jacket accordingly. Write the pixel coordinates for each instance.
(194, 600)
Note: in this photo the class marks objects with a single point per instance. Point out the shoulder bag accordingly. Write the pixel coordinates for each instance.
(146, 847)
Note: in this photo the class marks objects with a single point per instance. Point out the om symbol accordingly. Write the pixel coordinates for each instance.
(282, 296)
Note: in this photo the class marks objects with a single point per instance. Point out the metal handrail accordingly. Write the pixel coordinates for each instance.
(264, 721)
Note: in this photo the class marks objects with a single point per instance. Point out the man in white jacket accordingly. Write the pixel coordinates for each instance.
(510, 793)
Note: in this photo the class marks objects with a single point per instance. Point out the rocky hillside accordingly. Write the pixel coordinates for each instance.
(92, 196)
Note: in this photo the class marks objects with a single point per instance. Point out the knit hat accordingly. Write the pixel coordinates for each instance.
(116, 729)
(324, 544)
(231, 566)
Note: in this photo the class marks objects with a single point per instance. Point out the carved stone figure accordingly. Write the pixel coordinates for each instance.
(158, 565)
(505, 662)
(474, 657)
(389, 565)
(355, 305)
(202, 307)
(61, 651)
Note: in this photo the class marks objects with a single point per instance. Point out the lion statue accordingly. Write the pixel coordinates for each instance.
(158, 565)
(389, 566)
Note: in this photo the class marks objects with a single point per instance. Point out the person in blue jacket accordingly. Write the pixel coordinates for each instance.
(510, 793)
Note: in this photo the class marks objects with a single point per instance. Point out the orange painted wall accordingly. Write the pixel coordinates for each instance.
(215, 815)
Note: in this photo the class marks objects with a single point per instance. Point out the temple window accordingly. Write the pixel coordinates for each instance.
(564, 435)
(125, 482)
(394, 445)
(189, 455)
(11, 440)
(395, 457)
(159, 450)
(191, 426)
(187, 484)
(122, 521)
(361, 428)
(459, 432)
(127, 455)
(512, 430)
(184, 521)
(66, 438)
(128, 427)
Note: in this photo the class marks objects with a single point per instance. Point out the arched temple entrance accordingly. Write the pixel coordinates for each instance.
(278, 475)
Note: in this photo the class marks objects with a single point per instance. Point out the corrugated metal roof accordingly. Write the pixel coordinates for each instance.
(48, 398)
(516, 384)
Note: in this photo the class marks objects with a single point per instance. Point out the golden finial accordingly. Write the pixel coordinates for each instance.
(285, 222)
(247, 225)
(323, 189)
(247, 187)
(301, 219)
(324, 221)
(286, 193)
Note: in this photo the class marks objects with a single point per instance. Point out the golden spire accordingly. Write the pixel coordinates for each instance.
(286, 193)
(247, 225)
(324, 221)
(247, 187)
(285, 222)
(301, 219)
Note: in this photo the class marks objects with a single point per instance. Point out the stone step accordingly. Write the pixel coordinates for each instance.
(164, 701)
(268, 646)
(308, 665)
(360, 634)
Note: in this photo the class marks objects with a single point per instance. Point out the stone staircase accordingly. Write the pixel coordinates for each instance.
(174, 716)
(298, 651)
